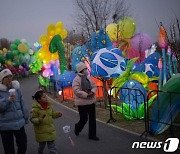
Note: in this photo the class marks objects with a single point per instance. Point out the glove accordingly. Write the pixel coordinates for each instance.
(90, 94)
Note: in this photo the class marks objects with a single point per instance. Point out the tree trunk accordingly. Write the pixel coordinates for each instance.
(105, 93)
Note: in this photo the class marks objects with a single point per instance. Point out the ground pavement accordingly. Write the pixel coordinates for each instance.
(112, 140)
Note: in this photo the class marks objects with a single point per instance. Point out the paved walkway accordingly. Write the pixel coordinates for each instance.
(112, 140)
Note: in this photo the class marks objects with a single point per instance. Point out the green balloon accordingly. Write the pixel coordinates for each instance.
(14, 46)
(16, 63)
(2, 59)
(17, 42)
(15, 52)
(42, 80)
(57, 45)
(9, 55)
(127, 27)
(20, 57)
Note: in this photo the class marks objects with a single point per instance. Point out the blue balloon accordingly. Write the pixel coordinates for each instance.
(55, 71)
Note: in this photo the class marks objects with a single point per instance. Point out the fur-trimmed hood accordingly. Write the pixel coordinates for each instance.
(15, 85)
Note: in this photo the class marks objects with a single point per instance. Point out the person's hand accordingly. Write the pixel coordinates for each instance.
(12, 98)
(41, 120)
(90, 94)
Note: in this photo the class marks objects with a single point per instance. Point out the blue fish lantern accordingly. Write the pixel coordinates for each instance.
(108, 63)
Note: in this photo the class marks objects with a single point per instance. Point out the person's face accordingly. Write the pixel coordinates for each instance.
(85, 72)
(43, 99)
(7, 81)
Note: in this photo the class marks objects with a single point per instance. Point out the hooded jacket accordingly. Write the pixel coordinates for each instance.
(44, 131)
(13, 115)
(80, 95)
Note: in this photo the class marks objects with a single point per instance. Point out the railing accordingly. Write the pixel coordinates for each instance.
(136, 91)
(159, 110)
(54, 89)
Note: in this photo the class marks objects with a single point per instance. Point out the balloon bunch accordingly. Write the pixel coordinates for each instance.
(36, 65)
(52, 46)
(20, 52)
(122, 36)
(18, 57)
(50, 69)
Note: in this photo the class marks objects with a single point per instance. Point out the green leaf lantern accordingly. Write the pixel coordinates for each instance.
(56, 45)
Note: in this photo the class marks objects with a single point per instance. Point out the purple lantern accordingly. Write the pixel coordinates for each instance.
(141, 42)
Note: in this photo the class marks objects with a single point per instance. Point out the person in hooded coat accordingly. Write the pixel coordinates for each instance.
(84, 90)
(13, 114)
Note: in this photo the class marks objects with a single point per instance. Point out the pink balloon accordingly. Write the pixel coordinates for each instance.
(47, 65)
(141, 42)
(132, 53)
(47, 72)
(53, 62)
(57, 63)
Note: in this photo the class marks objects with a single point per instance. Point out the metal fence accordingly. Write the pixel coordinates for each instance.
(162, 108)
(53, 88)
(117, 102)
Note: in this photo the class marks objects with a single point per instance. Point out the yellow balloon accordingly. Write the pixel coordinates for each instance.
(64, 34)
(1, 52)
(42, 52)
(8, 62)
(58, 31)
(127, 27)
(47, 59)
(54, 56)
(111, 30)
(59, 25)
(5, 50)
(22, 48)
(51, 29)
(44, 39)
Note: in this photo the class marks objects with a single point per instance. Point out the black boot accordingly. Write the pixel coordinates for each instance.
(76, 131)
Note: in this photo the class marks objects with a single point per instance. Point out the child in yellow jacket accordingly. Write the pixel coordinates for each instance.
(42, 116)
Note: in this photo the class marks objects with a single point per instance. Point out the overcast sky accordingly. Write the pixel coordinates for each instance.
(29, 18)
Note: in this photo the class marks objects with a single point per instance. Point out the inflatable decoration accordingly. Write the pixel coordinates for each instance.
(63, 80)
(112, 30)
(132, 53)
(44, 81)
(108, 63)
(126, 27)
(36, 65)
(166, 109)
(56, 45)
(66, 79)
(134, 98)
(162, 37)
(52, 46)
(149, 65)
(100, 40)
(20, 53)
(141, 42)
(79, 54)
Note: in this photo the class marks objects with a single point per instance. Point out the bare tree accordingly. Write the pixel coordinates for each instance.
(92, 15)
(4, 43)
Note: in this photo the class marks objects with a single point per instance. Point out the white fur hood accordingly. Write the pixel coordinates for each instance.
(15, 85)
